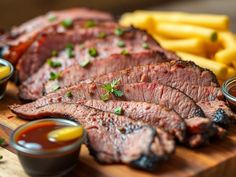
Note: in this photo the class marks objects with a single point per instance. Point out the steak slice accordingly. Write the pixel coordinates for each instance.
(175, 73)
(199, 129)
(33, 87)
(141, 92)
(56, 38)
(151, 114)
(197, 83)
(16, 42)
(112, 138)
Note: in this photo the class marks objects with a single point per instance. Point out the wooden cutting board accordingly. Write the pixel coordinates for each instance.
(217, 159)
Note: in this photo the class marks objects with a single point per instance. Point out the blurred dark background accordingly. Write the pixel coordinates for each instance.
(14, 12)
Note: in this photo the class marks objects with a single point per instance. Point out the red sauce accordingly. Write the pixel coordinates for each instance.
(36, 137)
(232, 91)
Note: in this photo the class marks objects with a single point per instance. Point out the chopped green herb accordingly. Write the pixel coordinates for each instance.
(92, 52)
(67, 23)
(214, 36)
(70, 50)
(84, 63)
(54, 64)
(52, 17)
(54, 76)
(1, 141)
(54, 53)
(105, 97)
(118, 111)
(1, 144)
(145, 45)
(102, 35)
(119, 32)
(90, 23)
(111, 88)
(69, 94)
(55, 87)
(122, 130)
(124, 52)
(120, 44)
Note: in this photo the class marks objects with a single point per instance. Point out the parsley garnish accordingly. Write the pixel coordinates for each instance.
(54, 53)
(120, 44)
(67, 23)
(55, 87)
(102, 35)
(54, 64)
(111, 88)
(145, 45)
(70, 50)
(119, 32)
(214, 36)
(69, 94)
(54, 76)
(118, 111)
(52, 17)
(124, 52)
(84, 63)
(92, 52)
(90, 23)
(1, 144)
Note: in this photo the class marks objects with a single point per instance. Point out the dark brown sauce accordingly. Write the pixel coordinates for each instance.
(232, 91)
(36, 137)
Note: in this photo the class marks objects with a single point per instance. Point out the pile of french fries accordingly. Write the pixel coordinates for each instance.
(202, 38)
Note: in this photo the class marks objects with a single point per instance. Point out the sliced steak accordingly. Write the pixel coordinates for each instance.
(199, 129)
(32, 88)
(112, 138)
(142, 92)
(16, 42)
(197, 83)
(56, 38)
(152, 114)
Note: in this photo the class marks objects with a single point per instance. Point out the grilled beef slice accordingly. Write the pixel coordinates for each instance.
(143, 92)
(199, 130)
(33, 87)
(16, 42)
(112, 138)
(175, 72)
(197, 83)
(152, 114)
(57, 38)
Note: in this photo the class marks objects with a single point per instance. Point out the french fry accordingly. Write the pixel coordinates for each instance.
(228, 39)
(138, 21)
(226, 56)
(219, 69)
(219, 22)
(178, 31)
(231, 72)
(194, 45)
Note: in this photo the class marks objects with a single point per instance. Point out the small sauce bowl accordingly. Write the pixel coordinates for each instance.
(229, 91)
(4, 81)
(53, 161)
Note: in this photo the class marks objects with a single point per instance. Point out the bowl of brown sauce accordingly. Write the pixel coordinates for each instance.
(42, 152)
(6, 71)
(229, 91)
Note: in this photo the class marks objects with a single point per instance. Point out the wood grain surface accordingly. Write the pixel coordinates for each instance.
(218, 159)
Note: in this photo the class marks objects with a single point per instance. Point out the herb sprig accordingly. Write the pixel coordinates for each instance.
(1, 144)
(111, 88)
